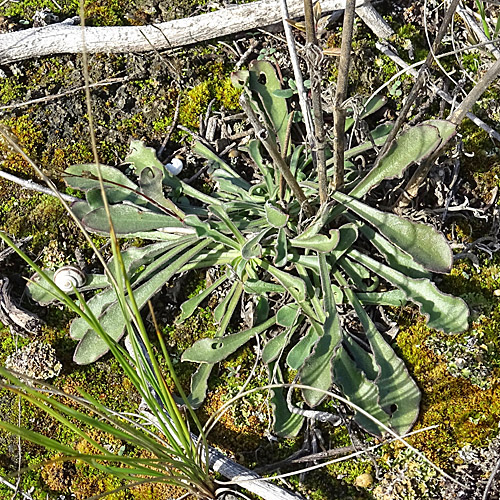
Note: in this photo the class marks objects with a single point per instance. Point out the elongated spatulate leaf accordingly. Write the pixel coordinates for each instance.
(427, 246)
(394, 256)
(86, 176)
(317, 371)
(92, 346)
(361, 391)
(399, 394)
(143, 157)
(189, 306)
(262, 82)
(286, 423)
(444, 312)
(412, 146)
(129, 219)
(215, 350)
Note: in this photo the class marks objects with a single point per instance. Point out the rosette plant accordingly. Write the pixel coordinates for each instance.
(304, 265)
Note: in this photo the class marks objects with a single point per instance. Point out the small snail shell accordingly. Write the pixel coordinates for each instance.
(175, 167)
(69, 277)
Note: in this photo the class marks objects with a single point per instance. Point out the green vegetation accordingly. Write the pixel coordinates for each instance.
(195, 101)
(458, 374)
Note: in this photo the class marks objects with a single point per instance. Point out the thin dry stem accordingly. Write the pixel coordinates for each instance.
(314, 57)
(341, 95)
(299, 81)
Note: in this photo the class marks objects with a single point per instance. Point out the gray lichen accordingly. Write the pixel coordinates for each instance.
(36, 360)
(467, 357)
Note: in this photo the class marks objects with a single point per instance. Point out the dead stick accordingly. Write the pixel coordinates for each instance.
(299, 81)
(314, 57)
(33, 186)
(341, 94)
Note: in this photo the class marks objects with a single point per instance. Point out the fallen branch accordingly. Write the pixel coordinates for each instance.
(63, 38)
(369, 15)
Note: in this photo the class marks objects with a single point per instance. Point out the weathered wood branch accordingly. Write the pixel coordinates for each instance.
(20, 321)
(64, 38)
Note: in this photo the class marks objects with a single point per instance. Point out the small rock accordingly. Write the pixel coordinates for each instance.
(36, 360)
(364, 480)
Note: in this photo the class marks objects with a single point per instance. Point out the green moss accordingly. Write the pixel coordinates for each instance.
(90, 482)
(107, 12)
(319, 485)
(30, 138)
(25, 9)
(162, 125)
(227, 95)
(453, 403)
(199, 325)
(11, 89)
(104, 381)
(194, 104)
(49, 73)
(471, 61)
(37, 215)
(132, 126)
(216, 87)
(482, 168)
(97, 13)
(8, 344)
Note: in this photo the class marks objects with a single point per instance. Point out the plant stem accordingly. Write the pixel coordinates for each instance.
(263, 135)
(299, 81)
(341, 94)
(310, 23)
(419, 82)
(314, 57)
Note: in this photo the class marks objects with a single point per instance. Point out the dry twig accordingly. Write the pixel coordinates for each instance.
(66, 39)
(341, 95)
(314, 59)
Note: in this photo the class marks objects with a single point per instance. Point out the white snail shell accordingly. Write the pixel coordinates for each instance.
(175, 167)
(69, 277)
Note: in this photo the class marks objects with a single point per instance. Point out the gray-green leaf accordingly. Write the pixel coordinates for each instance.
(427, 246)
(215, 350)
(444, 312)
